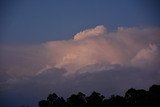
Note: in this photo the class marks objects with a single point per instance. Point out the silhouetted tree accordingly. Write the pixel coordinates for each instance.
(95, 100)
(136, 97)
(76, 100)
(132, 98)
(61, 102)
(43, 103)
(53, 101)
(114, 101)
(154, 95)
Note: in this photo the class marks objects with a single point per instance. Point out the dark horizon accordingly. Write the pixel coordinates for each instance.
(132, 98)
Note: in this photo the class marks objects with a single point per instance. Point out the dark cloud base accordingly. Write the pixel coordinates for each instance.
(117, 80)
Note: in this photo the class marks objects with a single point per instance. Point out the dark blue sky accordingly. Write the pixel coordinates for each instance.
(37, 21)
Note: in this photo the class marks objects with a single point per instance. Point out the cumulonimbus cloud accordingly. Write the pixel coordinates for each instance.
(134, 46)
(125, 46)
(95, 59)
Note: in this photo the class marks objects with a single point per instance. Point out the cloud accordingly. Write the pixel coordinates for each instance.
(97, 31)
(138, 47)
(115, 80)
(147, 57)
(96, 59)
(22, 60)
(96, 45)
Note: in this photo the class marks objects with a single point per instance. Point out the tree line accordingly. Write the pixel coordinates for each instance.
(132, 98)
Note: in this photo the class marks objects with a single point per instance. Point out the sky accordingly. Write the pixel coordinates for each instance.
(32, 21)
(67, 46)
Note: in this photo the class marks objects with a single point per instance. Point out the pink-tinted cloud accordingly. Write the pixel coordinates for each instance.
(95, 60)
(94, 46)
(138, 47)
